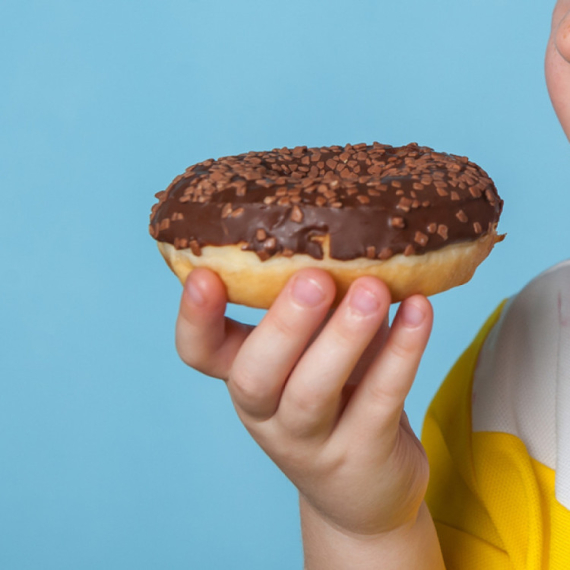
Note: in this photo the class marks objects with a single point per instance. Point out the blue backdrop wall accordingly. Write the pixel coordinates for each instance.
(113, 454)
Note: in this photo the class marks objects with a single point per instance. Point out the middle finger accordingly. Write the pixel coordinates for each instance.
(312, 396)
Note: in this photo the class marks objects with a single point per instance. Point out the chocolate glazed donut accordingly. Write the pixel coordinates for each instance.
(420, 220)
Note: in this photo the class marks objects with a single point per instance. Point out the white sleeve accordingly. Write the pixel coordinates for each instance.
(521, 384)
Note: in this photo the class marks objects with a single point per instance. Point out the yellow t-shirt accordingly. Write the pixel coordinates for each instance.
(497, 436)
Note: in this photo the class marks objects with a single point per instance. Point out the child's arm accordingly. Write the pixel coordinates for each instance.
(414, 546)
(325, 401)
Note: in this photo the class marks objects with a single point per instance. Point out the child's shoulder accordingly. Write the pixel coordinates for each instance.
(522, 379)
(544, 300)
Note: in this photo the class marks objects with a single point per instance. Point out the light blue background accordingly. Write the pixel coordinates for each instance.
(113, 454)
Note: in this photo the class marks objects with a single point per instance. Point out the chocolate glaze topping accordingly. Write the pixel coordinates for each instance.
(372, 200)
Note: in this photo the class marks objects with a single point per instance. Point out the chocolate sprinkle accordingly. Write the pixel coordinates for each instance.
(462, 217)
(195, 247)
(366, 198)
(397, 222)
(386, 253)
(421, 238)
(260, 234)
(297, 214)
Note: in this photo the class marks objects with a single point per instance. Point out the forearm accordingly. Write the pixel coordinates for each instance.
(327, 548)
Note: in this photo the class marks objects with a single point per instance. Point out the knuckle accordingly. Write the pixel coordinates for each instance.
(352, 327)
(343, 336)
(247, 389)
(290, 453)
(308, 403)
(244, 384)
(189, 356)
(387, 392)
(301, 430)
(381, 394)
(307, 415)
(187, 350)
(282, 325)
(334, 459)
(198, 360)
(401, 347)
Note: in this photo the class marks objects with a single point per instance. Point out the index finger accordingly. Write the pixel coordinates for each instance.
(205, 339)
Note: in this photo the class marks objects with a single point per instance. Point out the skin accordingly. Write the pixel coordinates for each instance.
(323, 393)
(557, 64)
(325, 402)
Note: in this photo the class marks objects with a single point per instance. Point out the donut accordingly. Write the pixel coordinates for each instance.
(420, 220)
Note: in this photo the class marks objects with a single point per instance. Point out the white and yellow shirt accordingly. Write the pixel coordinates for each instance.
(498, 438)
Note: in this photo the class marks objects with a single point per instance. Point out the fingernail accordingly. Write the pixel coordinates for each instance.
(363, 301)
(412, 315)
(307, 292)
(195, 295)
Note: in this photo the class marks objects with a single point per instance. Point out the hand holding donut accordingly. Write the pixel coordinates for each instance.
(300, 231)
(324, 399)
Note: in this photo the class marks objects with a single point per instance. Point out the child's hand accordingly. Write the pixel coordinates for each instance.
(325, 401)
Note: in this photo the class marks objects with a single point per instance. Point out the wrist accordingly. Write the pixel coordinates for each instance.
(412, 545)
